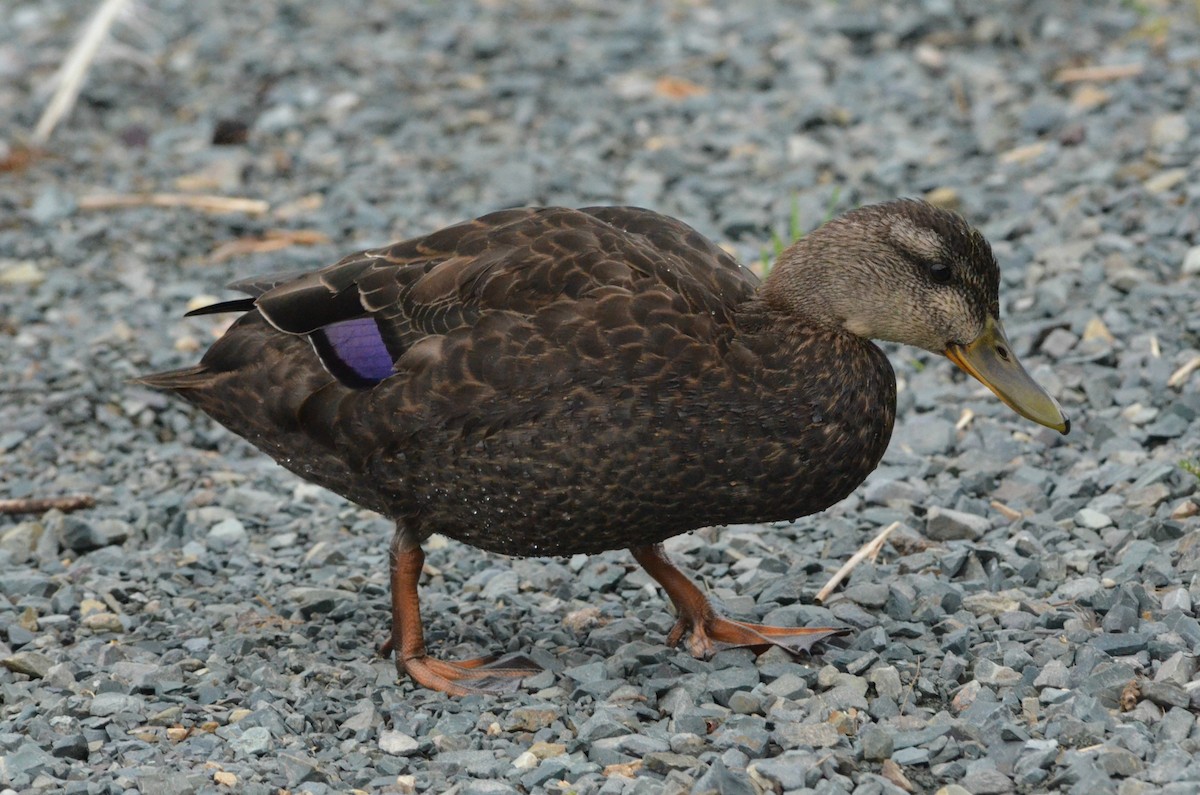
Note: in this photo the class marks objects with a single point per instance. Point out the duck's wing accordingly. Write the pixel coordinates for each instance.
(556, 267)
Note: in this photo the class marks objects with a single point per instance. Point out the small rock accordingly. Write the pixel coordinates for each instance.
(926, 435)
(545, 750)
(787, 686)
(1177, 599)
(105, 704)
(73, 746)
(1165, 180)
(665, 761)
(911, 756)
(990, 604)
(103, 622)
(745, 703)
(52, 204)
(1054, 674)
(1179, 668)
(254, 741)
(1165, 694)
(877, 743)
(298, 768)
(1120, 644)
(526, 761)
(1093, 520)
(816, 735)
(599, 727)
(1117, 761)
(886, 680)
(20, 541)
(987, 781)
(20, 273)
(784, 772)
(1097, 330)
(1169, 129)
(312, 601)
(1191, 261)
(944, 524)
(397, 743)
(582, 619)
(534, 717)
(227, 534)
(501, 585)
(362, 720)
(1185, 510)
(27, 760)
(1058, 343)
(990, 673)
(30, 663)
(80, 535)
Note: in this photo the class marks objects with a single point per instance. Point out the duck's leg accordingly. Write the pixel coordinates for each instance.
(407, 641)
(704, 628)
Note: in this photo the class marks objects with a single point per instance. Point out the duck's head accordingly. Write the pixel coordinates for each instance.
(909, 272)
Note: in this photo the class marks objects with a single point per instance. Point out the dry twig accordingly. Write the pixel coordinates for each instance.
(1180, 376)
(1010, 514)
(74, 69)
(272, 240)
(869, 550)
(203, 203)
(35, 505)
(1098, 73)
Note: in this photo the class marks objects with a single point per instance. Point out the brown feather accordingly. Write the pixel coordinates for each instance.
(571, 381)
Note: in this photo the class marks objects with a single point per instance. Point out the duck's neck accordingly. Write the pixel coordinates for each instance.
(813, 294)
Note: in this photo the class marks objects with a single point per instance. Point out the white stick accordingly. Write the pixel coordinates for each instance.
(869, 550)
(74, 69)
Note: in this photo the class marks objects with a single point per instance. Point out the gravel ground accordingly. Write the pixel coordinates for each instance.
(209, 624)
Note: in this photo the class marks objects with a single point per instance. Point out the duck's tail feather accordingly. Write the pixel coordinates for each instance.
(236, 305)
(178, 380)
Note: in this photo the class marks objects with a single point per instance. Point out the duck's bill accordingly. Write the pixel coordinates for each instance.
(990, 360)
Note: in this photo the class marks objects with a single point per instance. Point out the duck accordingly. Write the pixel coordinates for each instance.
(553, 381)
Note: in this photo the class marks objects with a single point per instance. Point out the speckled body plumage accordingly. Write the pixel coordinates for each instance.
(566, 382)
(553, 381)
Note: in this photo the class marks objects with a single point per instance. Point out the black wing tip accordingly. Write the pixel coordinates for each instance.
(236, 305)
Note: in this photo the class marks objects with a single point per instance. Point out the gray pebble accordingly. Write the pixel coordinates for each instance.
(254, 741)
(397, 743)
(877, 743)
(106, 704)
(312, 601)
(80, 534)
(1093, 520)
(945, 524)
(226, 534)
(786, 771)
(908, 757)
(991, 674)
(1191, 262)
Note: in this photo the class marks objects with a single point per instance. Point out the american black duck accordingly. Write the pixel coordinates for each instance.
(555, 381)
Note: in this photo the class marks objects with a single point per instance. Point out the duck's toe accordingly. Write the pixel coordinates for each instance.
(479, 675)
(704, 637)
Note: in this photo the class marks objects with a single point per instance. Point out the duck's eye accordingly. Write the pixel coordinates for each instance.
(940, 272)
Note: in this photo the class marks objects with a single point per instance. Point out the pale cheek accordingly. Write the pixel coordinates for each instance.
(956, 322)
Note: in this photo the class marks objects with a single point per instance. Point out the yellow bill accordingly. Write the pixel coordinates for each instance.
(990, 360)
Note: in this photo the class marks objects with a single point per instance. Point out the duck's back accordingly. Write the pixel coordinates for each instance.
(544, 381)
